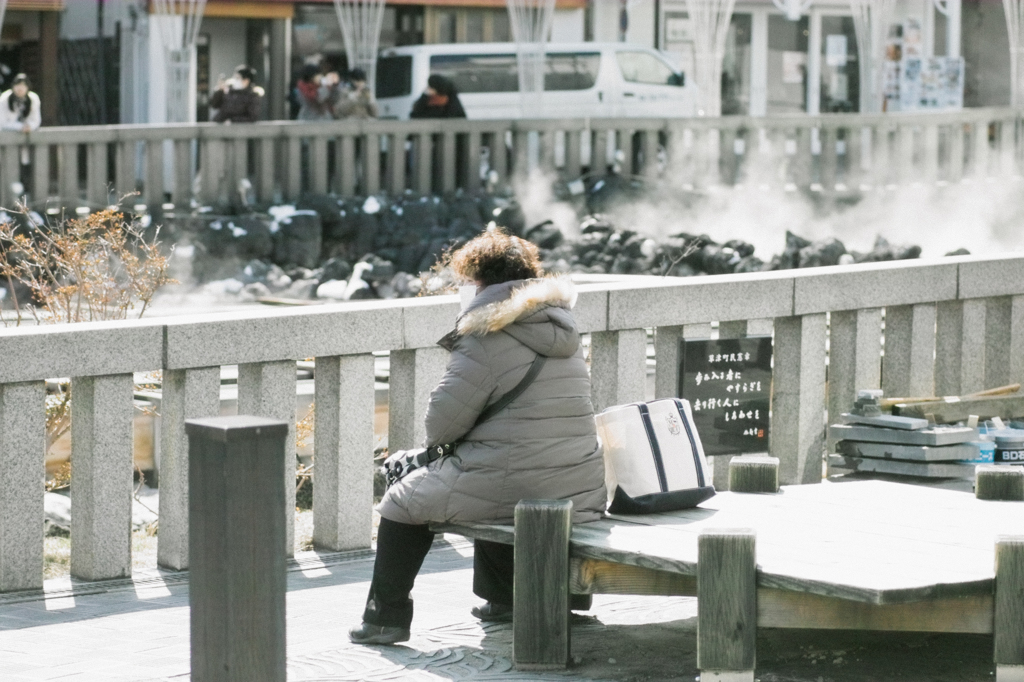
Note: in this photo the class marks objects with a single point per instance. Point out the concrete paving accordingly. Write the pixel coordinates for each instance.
(138, 631)
(135, 630)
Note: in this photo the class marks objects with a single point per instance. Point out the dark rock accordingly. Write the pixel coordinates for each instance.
(906, 252)
(750, 264)
(790, 257)
(741, 247)
(380, 270)
(596, 223)
(297, 237)
(959, 252)
(254, 271)
(545, 235)
(822, 252)
(335, 268)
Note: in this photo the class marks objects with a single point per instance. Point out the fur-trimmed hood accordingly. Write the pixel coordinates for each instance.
(536, 312)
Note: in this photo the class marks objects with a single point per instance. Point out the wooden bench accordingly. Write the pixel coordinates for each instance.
(867, 555)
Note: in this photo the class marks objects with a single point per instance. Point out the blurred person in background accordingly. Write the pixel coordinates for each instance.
(358, 100)
(237, 100)
(316, 93)
(439, 100)
(19, 107)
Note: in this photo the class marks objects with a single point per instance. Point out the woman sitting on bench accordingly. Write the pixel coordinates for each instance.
(542, 445)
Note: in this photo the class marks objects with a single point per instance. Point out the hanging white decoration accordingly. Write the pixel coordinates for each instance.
(710, 22)
(1014, 10)
(871, 20)
(794, 9)
(531, 29)
(360, 22)
(179, 41)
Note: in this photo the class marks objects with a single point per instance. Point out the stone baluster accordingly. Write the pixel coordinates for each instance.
(1016, 351)
(293, 168)
(448, 158)
(267, 389)
(854, 362)
(318, 164)
(41, 171)
(960, 347)
(343, 494)
(618, 367)
(908, 368)
(213, 170)
(68, 178)
(414, 374)
(979, 135)
(183, 173)
(22, 452)
(371, 163)
(345, 164)
(266, 169)
(573, 164)
(798, 393)
(998, 334)
(955, 138)
(101, 468)
(187, 394)
(96, 172)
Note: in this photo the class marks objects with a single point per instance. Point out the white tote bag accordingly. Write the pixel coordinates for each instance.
(653, 458)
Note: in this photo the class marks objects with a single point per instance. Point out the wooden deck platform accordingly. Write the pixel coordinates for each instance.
(859, 555)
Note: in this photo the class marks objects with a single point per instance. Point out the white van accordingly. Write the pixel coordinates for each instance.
(598, 80)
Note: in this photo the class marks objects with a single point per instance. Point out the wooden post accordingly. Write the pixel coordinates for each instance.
(236, 547)
(540, 616)
(726, 605)
(754, 474)
(999, 482)
(1009, 609)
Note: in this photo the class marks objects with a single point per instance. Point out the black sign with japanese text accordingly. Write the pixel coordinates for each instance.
(728, 383)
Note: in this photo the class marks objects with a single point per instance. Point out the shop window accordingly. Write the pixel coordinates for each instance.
(736, 67)
(840, 72)
(474, 26)
(787, 64)
(677, 37)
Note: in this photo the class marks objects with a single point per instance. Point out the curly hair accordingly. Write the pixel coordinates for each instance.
(493, 257)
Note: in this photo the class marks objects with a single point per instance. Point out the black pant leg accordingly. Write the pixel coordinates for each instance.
(493, 571)
(401, 549)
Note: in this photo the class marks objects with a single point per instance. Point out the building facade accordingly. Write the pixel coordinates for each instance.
(97, 61)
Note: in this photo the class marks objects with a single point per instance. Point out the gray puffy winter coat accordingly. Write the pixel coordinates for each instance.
(542, 446)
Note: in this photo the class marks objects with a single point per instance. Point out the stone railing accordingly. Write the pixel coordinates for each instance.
(284, 159)
(951, 326)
